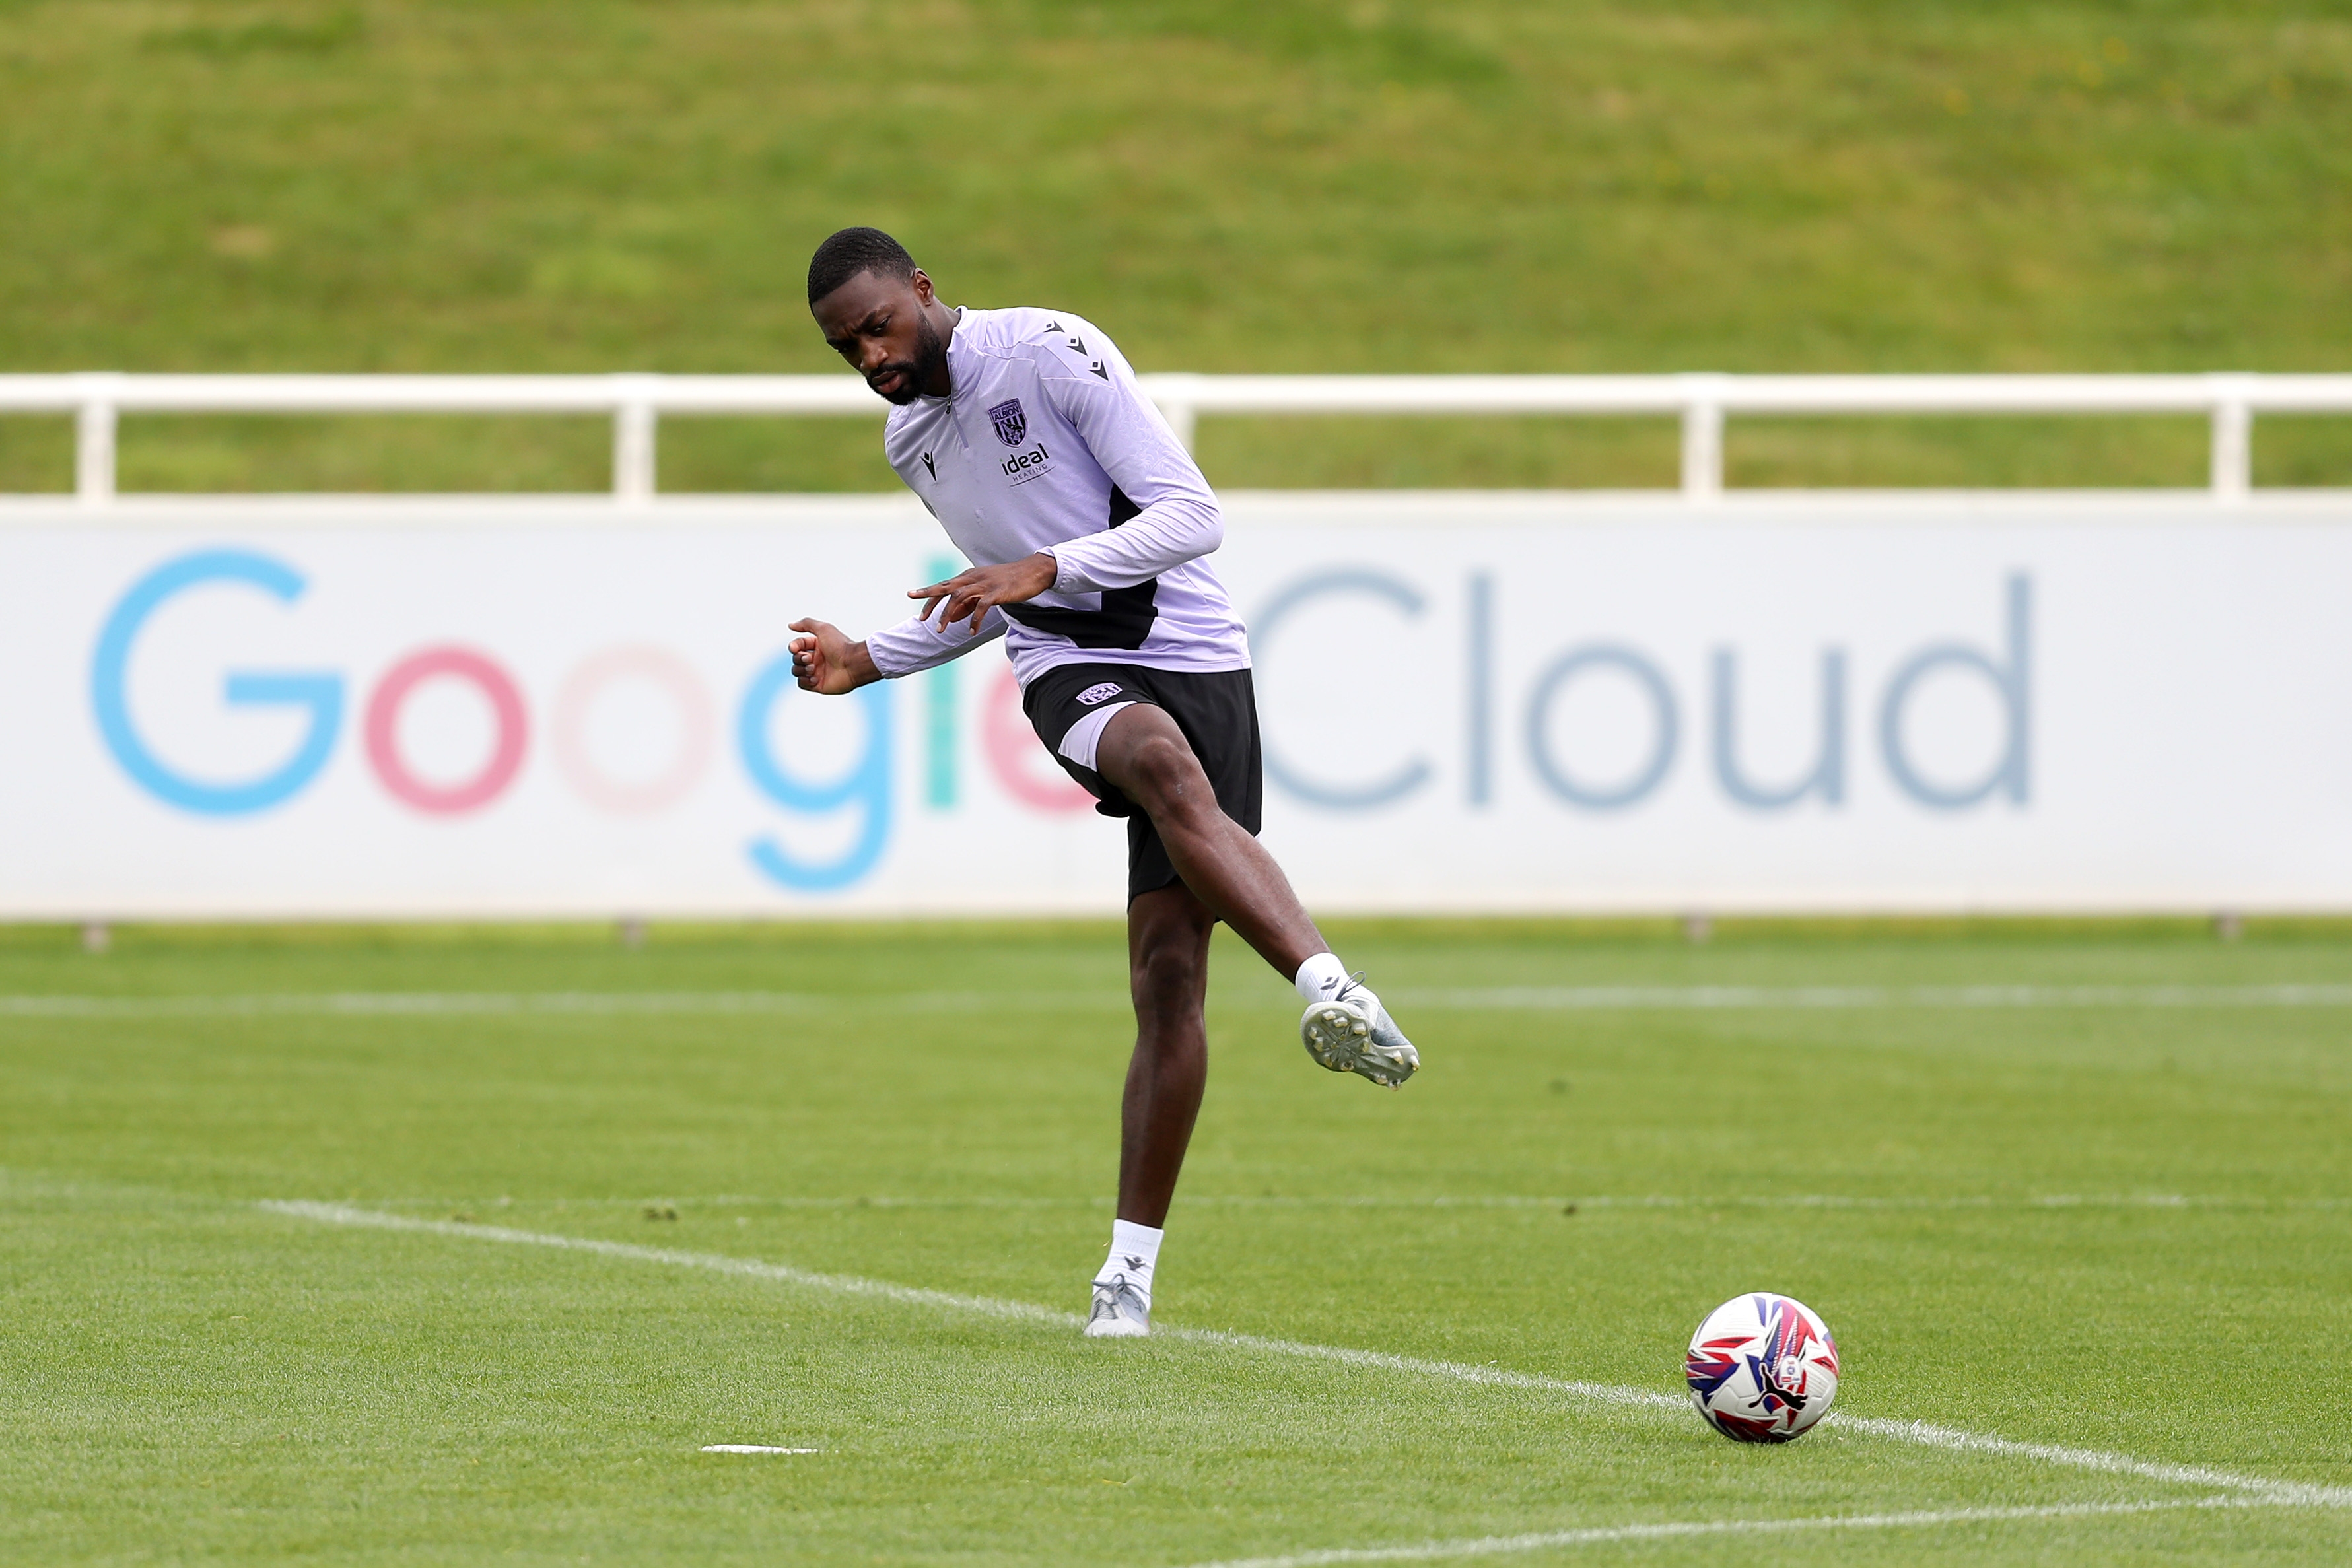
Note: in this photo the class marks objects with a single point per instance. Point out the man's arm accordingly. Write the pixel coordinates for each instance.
(826, 660)
(1177, 518)
(975, 592)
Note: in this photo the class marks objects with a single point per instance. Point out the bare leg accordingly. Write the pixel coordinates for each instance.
(1167, 965)
(1228, 872)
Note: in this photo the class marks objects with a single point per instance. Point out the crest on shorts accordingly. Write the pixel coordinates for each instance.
(1012, 424)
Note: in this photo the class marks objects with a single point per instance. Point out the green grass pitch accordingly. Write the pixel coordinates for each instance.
(2105, 1210)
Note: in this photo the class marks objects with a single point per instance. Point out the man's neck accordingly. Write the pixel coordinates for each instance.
(940, 383)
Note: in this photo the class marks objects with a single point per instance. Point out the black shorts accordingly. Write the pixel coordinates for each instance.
(1217, 711)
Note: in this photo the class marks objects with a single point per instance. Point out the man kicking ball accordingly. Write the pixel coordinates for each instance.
(1087, 523)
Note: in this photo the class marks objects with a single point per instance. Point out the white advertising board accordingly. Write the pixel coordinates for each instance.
(468, 708)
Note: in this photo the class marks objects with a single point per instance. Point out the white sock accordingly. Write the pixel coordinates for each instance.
(1134, 1252)
(1321, 977)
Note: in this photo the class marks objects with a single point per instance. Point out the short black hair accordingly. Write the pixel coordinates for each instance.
(852, 251)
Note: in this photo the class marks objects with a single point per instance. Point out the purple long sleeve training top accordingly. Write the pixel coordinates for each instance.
(1047, 443)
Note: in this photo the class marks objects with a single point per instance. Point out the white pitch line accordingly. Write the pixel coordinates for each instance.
(1498, 1545)
(2283, 1493)
(1506, 998)
(2251, 1487)
(754, 1448)
(783, 1273)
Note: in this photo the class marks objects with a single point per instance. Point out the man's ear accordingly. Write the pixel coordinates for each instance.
(923, 289)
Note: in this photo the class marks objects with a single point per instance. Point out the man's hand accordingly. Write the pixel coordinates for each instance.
(825, 661)
(970, 595)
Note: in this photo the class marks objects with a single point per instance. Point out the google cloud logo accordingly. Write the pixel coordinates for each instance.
(320, 696)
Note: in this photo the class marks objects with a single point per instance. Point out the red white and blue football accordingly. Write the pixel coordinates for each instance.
(1762, 1368)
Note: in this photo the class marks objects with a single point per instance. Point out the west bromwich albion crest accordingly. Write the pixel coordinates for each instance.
(1012, 424)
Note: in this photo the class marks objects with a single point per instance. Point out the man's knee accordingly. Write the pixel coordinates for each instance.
(1170, 972)
(1176, 937)
(1169, 956)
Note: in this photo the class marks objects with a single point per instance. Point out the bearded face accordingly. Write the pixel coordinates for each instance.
(883, 326)
(902, 381)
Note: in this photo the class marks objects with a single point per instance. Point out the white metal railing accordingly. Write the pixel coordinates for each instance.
(1700, 399)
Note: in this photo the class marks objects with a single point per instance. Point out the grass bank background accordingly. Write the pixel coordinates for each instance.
(599, 185)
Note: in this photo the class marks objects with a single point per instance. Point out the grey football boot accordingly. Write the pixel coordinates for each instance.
(1120, 1311)
(1351, 1032)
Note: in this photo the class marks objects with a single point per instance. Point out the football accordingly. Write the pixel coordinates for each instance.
(1762, 1368)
